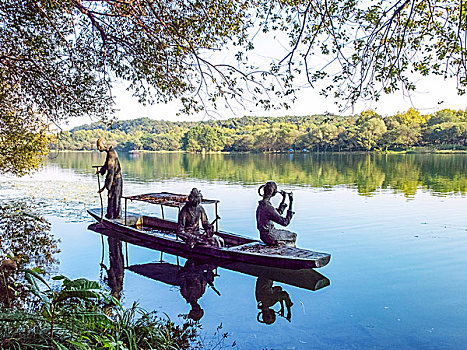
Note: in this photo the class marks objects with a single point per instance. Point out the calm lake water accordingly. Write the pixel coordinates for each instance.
(395, 226)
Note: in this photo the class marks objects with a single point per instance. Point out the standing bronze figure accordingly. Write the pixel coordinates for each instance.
(113, 180)
(266, 214)
(188, 223)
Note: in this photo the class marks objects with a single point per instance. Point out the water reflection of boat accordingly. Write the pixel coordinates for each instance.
(194, 276)
(305, 278)
(198, 273)
(147, 231)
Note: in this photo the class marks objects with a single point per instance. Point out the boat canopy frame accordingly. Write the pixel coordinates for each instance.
(170, 200)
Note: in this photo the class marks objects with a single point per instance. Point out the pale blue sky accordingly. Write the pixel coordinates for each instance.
(433, 93)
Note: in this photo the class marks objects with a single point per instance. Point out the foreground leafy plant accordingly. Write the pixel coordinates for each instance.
(82, 315)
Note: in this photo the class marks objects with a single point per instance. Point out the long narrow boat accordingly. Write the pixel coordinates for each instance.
(152, 231)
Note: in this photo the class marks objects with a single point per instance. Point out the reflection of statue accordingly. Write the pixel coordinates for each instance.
(193, 281)
(266, 214)
(188, 223)
(267, 296)
(113, 180)
(115, 272)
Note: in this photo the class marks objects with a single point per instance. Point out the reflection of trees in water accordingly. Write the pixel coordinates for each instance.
(439, 173)
(25, 239)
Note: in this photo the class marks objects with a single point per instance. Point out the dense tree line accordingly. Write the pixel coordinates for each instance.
(365, 132)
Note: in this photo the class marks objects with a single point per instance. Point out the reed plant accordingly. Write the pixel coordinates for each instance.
(80, 314)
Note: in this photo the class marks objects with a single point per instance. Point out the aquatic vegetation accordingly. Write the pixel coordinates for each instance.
(60, 313)
(52, 194)
(80, 314)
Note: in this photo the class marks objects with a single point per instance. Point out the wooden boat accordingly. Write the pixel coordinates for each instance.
(160, 234)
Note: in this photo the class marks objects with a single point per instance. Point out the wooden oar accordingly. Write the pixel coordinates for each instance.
(214, 288)
(99, 189)
(214, 221)
(211, 233)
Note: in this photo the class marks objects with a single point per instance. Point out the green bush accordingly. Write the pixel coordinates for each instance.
(80, 314)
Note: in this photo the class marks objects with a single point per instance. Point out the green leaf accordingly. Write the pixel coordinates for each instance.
(59, 346)
(81, 284)
(79, 294)
(38, 270)
(78, 344)
(60, 277)
(15, 316)
(29, 276)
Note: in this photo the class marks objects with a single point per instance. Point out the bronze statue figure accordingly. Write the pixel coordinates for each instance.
(113, 180)
(267, 296)
(188, 223)
(266, 214)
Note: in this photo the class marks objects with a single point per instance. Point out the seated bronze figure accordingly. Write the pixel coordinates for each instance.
(266, 214)
(188, 223)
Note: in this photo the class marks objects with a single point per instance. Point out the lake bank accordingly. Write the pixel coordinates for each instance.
(412, 150)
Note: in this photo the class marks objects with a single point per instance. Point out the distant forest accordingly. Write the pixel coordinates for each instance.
(445, 129)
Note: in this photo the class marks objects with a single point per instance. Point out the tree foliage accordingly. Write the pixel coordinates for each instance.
(47, 62)
(24, 142)
(24, 137)
(371, 131)
(373, 47)
(62, 57)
